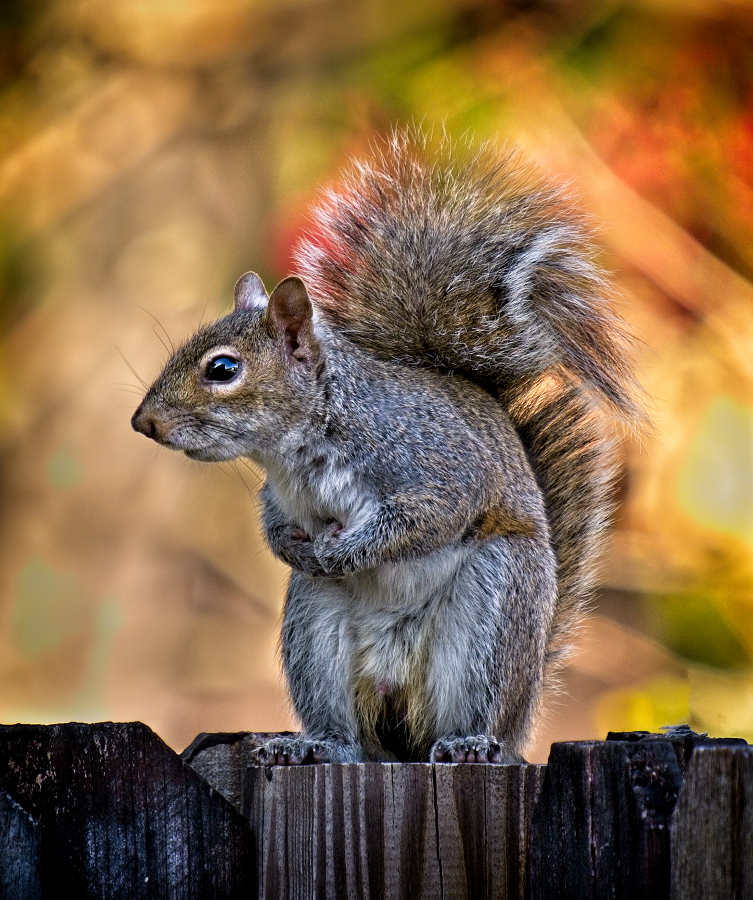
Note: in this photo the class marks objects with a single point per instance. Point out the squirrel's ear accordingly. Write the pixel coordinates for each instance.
(249, 292)
(290, 314)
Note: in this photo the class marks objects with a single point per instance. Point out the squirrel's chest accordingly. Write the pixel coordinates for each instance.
(325, 493)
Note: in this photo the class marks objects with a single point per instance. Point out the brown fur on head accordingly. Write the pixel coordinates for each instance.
(235, 385)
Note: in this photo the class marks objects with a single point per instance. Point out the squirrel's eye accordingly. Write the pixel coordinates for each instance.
(222, 368)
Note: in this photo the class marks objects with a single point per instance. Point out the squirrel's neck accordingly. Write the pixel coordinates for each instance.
(327, 427)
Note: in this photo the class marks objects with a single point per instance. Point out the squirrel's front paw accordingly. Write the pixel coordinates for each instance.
(480, 748)
(332, 551)
(294, 546)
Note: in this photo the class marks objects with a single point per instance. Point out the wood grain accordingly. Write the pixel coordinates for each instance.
(397, 831)
(712, 827)
(20, 846)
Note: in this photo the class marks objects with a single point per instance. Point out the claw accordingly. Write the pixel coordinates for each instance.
(303, 751)
(474, 749)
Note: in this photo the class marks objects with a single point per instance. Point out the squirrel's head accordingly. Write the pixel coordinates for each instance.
(241, 384)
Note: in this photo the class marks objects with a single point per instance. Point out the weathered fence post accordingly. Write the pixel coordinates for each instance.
(601, 827)
(712, 828)
(109, 811)
(20, 848)
(119, 815)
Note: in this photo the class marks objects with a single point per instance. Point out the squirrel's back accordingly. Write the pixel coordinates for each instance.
(470, 262)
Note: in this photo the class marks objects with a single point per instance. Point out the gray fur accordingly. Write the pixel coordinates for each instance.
(442, 533)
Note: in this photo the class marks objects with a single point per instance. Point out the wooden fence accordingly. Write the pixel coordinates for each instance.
(108, 810)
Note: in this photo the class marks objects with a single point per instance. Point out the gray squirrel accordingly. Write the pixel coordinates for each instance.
(431, 399)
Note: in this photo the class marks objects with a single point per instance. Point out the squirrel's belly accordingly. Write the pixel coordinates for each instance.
(394, 612)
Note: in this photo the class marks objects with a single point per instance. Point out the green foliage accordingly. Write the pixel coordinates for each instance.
(64, 469)
(48, 608)
(618, 42)
(20, 274)
(695, 628)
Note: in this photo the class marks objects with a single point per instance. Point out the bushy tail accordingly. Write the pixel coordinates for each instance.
(573, 454)
(471, 263)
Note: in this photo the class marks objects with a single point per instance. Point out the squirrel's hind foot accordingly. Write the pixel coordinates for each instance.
(479, 748)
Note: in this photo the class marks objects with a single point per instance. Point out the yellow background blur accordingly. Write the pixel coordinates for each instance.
(151, 152)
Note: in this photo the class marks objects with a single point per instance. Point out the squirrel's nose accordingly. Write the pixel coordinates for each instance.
(146, 423)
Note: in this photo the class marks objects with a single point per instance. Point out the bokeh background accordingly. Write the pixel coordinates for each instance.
(151, 152)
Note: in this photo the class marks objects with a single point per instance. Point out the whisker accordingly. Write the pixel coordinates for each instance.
(235, 469)
(133, 371)
(129, 390)
(201, 319)
(164, 330)
(246, 464)
(159, 338)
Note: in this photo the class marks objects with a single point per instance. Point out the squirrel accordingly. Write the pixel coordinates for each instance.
(432, 397)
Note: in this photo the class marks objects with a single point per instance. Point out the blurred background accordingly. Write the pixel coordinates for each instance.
(152, 152)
